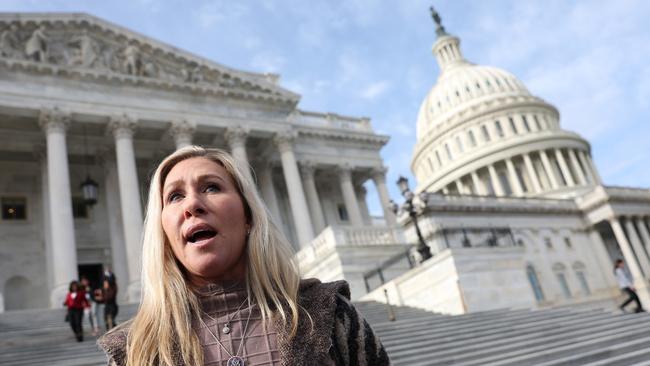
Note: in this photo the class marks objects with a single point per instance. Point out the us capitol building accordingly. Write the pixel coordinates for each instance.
(510, 204)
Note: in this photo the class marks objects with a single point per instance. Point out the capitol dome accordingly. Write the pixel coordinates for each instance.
(480, 131)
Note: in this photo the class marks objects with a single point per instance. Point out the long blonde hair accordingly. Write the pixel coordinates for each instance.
(161, 331)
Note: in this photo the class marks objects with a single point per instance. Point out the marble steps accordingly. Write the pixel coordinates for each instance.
(493, 336)
(457, 325)
(509, 346)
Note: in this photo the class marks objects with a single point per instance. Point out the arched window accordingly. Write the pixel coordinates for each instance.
(560, 274)
(534, 283)
(580, 270)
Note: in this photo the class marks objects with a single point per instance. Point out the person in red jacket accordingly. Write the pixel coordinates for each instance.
(76, 301)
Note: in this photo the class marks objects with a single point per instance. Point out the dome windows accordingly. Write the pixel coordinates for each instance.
(486, 134)
(472, 138)
(448, 149)
(526, 125)
(512, 125)
(499, 129)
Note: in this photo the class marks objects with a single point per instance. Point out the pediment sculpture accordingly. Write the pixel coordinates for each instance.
(89, 46)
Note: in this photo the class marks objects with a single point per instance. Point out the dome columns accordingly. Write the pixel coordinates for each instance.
(564, 169)
(537, 187)
(514, 179)
(576, 168)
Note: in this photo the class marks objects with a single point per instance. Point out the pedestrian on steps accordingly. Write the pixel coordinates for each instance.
(625, 284)
(76, 302)
(109, 296)
(90, 312)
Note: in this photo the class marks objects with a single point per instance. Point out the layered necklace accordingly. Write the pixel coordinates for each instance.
(233, 360)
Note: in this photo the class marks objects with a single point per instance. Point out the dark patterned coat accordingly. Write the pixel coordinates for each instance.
(340, 336)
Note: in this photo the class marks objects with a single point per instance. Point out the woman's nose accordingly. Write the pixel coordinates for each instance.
(193, 206)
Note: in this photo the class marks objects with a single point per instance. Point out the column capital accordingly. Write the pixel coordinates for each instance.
(379, 173)
(54, 120)
(307, 169)
(122, 126)
(345, 171)
(236, 136)
(182, 130)
(284, 140)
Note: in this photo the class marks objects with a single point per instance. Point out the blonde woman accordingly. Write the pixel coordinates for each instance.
(219, 286)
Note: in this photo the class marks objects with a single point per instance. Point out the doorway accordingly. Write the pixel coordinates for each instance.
(93, 272)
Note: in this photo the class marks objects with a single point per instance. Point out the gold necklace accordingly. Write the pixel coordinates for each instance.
(226, 327)
(233, 360)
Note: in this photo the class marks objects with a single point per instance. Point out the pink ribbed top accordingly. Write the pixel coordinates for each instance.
(220, 302)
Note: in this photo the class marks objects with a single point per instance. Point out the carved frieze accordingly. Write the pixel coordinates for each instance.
(91, 45)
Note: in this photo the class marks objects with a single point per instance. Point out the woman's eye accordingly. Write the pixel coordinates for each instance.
(174, 196)
(212, 188)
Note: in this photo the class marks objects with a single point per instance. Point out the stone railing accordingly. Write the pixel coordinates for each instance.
(333, 237)
(332, 120)
(439, 202)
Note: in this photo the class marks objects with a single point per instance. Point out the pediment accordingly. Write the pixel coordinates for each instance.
(86, 46)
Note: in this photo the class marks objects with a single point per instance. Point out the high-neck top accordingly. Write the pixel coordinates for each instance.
(227, 303)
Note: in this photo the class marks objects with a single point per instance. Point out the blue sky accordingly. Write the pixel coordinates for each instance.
(373, 58)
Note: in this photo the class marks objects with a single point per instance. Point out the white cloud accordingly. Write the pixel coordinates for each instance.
(267, 62)
(375, 90)
(211, 13)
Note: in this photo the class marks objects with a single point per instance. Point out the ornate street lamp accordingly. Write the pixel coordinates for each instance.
(409, 207)
(88, 186)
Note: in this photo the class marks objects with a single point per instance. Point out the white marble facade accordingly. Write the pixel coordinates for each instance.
(501, 174)
(80, 96)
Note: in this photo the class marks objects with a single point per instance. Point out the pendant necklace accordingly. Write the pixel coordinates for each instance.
(226, 327)
(233, 360)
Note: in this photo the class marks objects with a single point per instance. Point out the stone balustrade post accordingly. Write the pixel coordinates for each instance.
(299, 209)
(123, 128)
(62, 237)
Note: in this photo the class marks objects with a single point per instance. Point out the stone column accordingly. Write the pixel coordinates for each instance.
(565, 168)
(268, 191)
(516, 184)
(182, 132)
(459, 186)
(498, 190)
(349, 196)
(594, 170)
(312, 196)
(478, 185)
(576, 167)
(40, 153)
(549, 170)
(64, 249)
(587, 169)
(637, 245)
(645, 235)
(630, 260)
(236, 138)
(299, 209)
(532, 173)
(118, 249)
(362, 193)
(606, 263)
(123, 128)
(379, 178)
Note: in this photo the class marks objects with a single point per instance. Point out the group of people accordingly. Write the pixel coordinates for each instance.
(82, 301)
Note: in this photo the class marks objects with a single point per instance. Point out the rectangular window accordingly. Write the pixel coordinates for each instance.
(497, 124)
(526, 125)
(448, 151)
(567, 242)
(534, 283)
(79, 208)
(459, 144)
(539, 126)
(343, 212)
(472, 139)
(583, 282)
(512, 125)
(438, 158)
(486, 134)
(561, 278)
(430, 164)
(14, 208)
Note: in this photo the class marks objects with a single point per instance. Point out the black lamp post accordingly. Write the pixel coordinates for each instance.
(407, 206)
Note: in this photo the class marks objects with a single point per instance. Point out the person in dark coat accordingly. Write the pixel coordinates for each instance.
(76, 302)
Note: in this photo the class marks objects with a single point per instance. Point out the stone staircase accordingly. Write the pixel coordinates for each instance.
(557, 336)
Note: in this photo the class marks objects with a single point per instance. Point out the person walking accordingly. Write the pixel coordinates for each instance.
(90, 312)
(625, 284)
(76, 302)
(109, 294)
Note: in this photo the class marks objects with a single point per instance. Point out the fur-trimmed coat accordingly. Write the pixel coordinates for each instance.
(340, 335)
